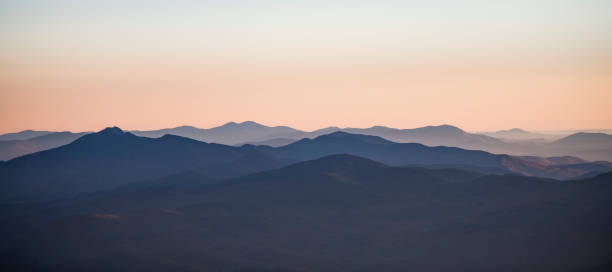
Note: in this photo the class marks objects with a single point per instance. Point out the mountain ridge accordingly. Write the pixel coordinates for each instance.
(249, 132)
(339, 212)
(113, 157)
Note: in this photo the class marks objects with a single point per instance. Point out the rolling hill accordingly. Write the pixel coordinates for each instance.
(335, 213)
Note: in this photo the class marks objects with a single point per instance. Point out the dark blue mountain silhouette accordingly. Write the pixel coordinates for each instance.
(589, 146)
(400, 154)
(112, 158)
(108, 159)
(336, 213)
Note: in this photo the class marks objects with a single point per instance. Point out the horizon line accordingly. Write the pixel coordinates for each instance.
(592, 130)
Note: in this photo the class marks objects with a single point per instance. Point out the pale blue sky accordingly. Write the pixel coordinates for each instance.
(562, 26)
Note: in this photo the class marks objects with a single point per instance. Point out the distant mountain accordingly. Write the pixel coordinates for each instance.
(336, 213)
(585, 139)
(444, 135)
(10, 149)
(589, 146)
(108, 159)
(23, 135)
(399, 154)
(513, 142)
(521, 134)
(229, 134)
(594, 146)
(112, 158)
(254, 133)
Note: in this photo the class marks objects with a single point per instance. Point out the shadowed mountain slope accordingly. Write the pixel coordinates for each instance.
(590, 146)
(108, 159)
(112, 158)
(335, 213)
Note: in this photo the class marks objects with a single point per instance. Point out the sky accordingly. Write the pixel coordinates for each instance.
(480, 65)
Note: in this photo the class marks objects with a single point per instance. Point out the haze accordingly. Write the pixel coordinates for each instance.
(542, 65)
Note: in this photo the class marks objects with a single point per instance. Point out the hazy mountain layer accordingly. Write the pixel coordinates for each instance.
(113, 158)
(14, 148)
(589, 146)
(399, 154)
(23, 135)
(517, 134)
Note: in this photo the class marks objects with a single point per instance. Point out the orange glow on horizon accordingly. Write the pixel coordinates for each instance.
(473, 64)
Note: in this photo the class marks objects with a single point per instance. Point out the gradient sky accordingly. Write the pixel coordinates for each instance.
(480, 65)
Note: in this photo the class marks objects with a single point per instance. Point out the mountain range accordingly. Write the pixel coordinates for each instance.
(105, 160)
(230, 134)
(587, 146)
(112, 158)
(338, 201)
(338, 212)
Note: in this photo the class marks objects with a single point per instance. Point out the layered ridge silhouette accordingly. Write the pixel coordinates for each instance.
(112, 158)
(338, 212)
(588, 146)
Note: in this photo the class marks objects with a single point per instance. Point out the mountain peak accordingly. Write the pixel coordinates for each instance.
(449, 127)
(253, 125)
(586, 138)
(186, 127)
(250, 123)
(382, 128)
(111, 131)
(350, 136)
(229, 124)
(243, 124)
(338, 134)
